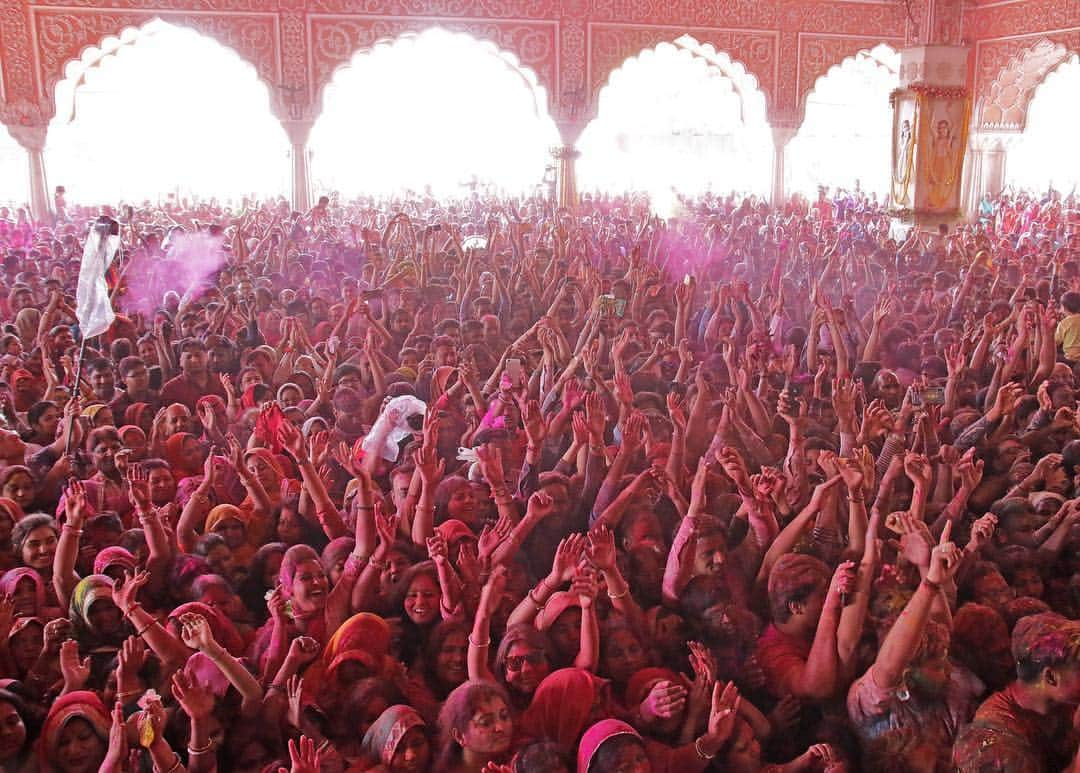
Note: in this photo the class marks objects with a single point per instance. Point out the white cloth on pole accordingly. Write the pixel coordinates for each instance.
(92, 304)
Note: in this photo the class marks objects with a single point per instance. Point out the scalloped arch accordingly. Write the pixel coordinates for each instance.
(876, 55)
(485, 38)
(94, 56)
(79, 40)
(1005, 105)
(753, 101)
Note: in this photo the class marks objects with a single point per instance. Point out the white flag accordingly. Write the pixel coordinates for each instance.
(92, 304)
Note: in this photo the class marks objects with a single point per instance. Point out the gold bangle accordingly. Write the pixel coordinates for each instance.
(617, 596)
(479, 645)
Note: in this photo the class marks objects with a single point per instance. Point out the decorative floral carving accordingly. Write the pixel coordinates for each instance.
(571, 45)
(64, 35)
(336, 39)
(611, 45)
(1008, 72)
(818, 54)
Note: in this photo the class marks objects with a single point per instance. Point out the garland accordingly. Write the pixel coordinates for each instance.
(925, 90)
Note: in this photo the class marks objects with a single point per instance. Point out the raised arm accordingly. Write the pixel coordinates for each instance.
(65, 578)
(902, 641)
(196, 634)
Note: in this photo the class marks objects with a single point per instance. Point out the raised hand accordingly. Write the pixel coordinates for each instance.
(303, 650)
(130, 659)
(970, 471)
(843, 580)
(918, 469)
(491, 465)
(277, 606)
(437, 549)
(76, 672)
(56, 633)
(916, 542)
(945, 559)
(535, 430)
(540, 505)
(491, 537)
(236, 455)
(387, 529)
(734, 467)
(195, 698)
(725, 707)
(704, 666)
(117, 755)
(585, 586)
(304, 756)
(138, 488)
(567, 557)
(195, 632)
(293, 442)
(596, 417)
(676, 406)
(491, 595)
(852, 473)
(601, 548)
(665, 700)
(125, 594)
(982, 531)
(429, 465)
(294, 692)
(580, 427)
(75, 505)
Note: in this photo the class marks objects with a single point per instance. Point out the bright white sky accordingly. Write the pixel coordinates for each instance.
(1046, 154)
(668, 118)
(14, 172)
(439, 109)
(846, 136)
(433, 110)
(172, 111)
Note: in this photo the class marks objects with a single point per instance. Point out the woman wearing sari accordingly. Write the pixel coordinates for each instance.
(10, 514)
(75, 736)
(304, 604)
(97, 621)
(26, 591)
(397, 743)
(184, 455)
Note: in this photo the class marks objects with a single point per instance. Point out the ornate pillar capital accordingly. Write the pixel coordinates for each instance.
(30, 136)
(298, 130)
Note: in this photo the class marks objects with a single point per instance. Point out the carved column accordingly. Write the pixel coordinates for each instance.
(566, 156)
(32, 139)
(298, 132)
(782, 135)
(986, 166)
(566, 175)
(931, 117)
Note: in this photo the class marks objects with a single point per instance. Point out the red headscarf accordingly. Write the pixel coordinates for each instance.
(11, 579)
(174, 455)
(81, 704)
(13, 509)
(364, 637)
(133, 413)
(224, 631)
(561, 706)
(596, 736)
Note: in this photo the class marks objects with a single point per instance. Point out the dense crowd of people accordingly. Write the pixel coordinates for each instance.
(487, 486)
